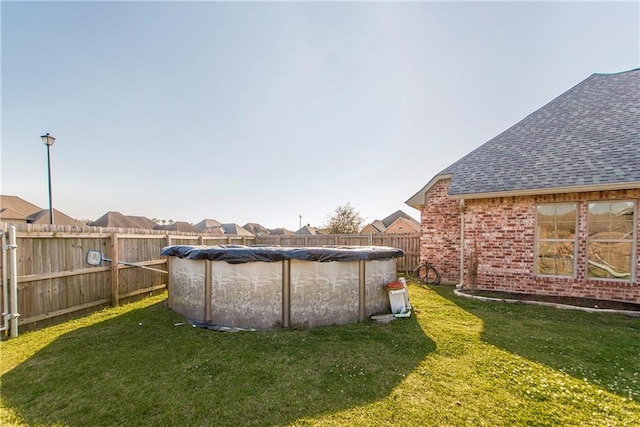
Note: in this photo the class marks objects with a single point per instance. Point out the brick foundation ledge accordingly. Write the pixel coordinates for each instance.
(461, 293)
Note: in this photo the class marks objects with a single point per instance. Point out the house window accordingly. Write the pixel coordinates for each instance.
(611, 239)
(556, 239)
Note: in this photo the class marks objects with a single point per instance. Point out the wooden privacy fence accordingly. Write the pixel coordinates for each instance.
(55, 282)
(409, 243)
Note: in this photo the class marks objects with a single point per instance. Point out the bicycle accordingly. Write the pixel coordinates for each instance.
(426, 273)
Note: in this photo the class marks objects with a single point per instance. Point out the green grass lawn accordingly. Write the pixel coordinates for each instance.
(454, 362)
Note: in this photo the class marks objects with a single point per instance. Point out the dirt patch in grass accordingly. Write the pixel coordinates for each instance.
(575, 301)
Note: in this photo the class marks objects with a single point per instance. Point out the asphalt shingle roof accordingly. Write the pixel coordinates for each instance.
(181, 226)
(59, 218)
(208, 223)
(235, 229)
(115, 219)
(18, 205)
(587, 137)
(13, 207)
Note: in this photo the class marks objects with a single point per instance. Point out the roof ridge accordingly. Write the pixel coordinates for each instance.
(617, 72)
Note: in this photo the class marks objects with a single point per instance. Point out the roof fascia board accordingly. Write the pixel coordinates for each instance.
(540, 191)
(417, 200)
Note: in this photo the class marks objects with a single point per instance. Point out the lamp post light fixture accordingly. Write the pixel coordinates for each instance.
(48, 141)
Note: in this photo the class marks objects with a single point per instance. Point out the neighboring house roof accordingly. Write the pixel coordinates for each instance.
(208, 223)
(8, 214)
(18, 205)
(254, 228)
(376, 226)
(59, 218)
(407, 225)
(587, 139)
(395, 216)
(280, 232)
(144, 222)
(235, 229)
(181, 226)
(381, 226)
(307, 230)
(33, 214)
(115, 219)
(210, 226)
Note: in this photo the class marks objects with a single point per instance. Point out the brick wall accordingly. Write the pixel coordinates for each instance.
(440, 232)
(502, 231)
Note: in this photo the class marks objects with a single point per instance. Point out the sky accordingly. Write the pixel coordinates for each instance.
(277, 113)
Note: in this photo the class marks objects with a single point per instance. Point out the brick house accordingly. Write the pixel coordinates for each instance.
(397, 223)
(403, 226)
(549, 206)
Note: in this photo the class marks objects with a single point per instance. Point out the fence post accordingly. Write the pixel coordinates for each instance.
(13, 260)
(115, 285)
(170, 275)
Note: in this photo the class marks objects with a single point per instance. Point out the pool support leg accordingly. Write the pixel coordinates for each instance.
(361, 291)
(208, 279)
(286, 293)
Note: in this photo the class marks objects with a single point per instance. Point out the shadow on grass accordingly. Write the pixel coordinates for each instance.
(602, 348)
(142, 369)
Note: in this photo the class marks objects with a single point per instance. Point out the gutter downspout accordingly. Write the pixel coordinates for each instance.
(463, 208)
(10, 307)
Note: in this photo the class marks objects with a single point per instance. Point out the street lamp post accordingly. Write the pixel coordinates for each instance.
(48, 141)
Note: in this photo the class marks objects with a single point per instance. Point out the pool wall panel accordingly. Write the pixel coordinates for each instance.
(188, 288)
(246, 295)
(323, 293)
(378, 274)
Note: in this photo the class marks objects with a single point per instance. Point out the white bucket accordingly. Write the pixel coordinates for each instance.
(399, 299)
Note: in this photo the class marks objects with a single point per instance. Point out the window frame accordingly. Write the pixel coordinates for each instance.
(634, 241)
(537, 239)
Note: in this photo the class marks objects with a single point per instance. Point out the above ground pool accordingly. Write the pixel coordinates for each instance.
(264, 287)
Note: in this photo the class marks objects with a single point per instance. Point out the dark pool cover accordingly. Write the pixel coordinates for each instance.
(238, 254)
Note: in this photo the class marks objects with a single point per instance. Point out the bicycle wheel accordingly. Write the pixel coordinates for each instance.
(426, 273)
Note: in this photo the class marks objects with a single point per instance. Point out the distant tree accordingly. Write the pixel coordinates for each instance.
(171, 221)
(345, 220)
